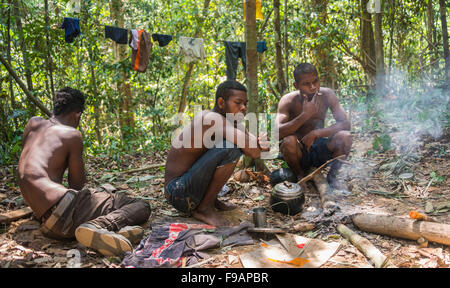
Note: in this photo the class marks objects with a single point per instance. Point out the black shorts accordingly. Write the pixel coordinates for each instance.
(318, 154)
(187, 191)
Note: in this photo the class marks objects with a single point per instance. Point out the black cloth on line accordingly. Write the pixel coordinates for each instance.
(119, 35)
(162, 39)
(234, 51)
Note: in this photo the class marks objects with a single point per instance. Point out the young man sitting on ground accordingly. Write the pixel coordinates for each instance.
(197, 169)
(305, 142)
(49, 148)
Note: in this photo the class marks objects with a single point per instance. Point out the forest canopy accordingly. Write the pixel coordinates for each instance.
(367, 51)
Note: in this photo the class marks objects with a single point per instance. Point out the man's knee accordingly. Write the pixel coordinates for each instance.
(342, 140)
(289, 145)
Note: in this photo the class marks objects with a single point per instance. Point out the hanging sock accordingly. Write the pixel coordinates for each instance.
(192, 49)
(141, 56)
(72, 29)
(234, 51)
(259, 15)
(162, 39)
(119, 35)
(261, 46)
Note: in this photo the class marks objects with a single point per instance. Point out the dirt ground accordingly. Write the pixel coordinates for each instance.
(378, 183)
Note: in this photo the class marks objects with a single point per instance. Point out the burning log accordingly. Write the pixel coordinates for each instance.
(326, 196)
(403, 227)
(364, 245)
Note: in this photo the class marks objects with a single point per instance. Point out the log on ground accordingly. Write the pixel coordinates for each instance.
(364, 245)
(326, 194)
(403, 227)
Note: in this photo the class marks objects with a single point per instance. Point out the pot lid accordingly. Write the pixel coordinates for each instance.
(287, 189)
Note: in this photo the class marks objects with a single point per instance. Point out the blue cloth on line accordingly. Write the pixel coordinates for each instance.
(72, 28)
(261, 46)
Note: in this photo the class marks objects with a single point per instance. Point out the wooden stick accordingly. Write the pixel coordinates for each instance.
(326, 195)
(11, 216)
(364, 245)
(311, 175)
(142, 168)
(403, 227)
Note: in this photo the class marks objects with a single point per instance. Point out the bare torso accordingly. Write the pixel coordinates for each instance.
(180, 159)
(44, 158)
(317, 121)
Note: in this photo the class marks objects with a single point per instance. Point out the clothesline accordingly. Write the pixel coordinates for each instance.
(141, 45)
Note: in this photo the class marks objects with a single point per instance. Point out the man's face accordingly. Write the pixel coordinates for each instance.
(308, 84)
(236, 103)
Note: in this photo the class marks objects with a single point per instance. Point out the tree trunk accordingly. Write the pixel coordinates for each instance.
(126, 117)
(252, 69)
(445, 42)
(367, 43)
(24, 88)
(379, 54)
(286, 47)
(23, 48)
(187, 77)
(49, 49)
(281, 83)
(391, 35)
(10, 78)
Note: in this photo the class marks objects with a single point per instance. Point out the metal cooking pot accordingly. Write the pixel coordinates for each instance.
(287, 198)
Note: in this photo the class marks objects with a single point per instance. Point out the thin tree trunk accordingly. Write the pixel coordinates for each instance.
(49, 49)
(23, 48)
(126, 118)
(379, 55)
(391, 35)
(187, 77)
(286, 47)
(445, 41)
(281, 83)
(430, 28)
(367, 43)
(10, 78)
(24, 87)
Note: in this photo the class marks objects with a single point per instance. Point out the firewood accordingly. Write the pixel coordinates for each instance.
(11, 216)
(403, 227)
(326, 195)
(312, 174)
(364, 245)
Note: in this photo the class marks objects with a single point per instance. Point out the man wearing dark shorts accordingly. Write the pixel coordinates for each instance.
(197, 169)
(49, 148)
(305, 142)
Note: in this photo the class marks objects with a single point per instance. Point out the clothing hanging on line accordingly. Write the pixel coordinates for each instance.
(259, 15)
(192, 49)
(141, 56)
(162, 39)
(234, 51)
(134, 39)
(118, 35)
(261, 46)
(72, 28)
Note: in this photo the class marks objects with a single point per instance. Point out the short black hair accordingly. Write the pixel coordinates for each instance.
(224, 89)
(304, 68)
(68, 100)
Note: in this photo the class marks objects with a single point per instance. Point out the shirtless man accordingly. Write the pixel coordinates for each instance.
(195, 175)
(49, 148)
(301, 117)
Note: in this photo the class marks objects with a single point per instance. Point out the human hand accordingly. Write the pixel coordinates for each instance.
(310, 107)
(309, 139)
(263, 142)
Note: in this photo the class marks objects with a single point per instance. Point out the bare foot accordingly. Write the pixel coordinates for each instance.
(211, 217)
(224, 206)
